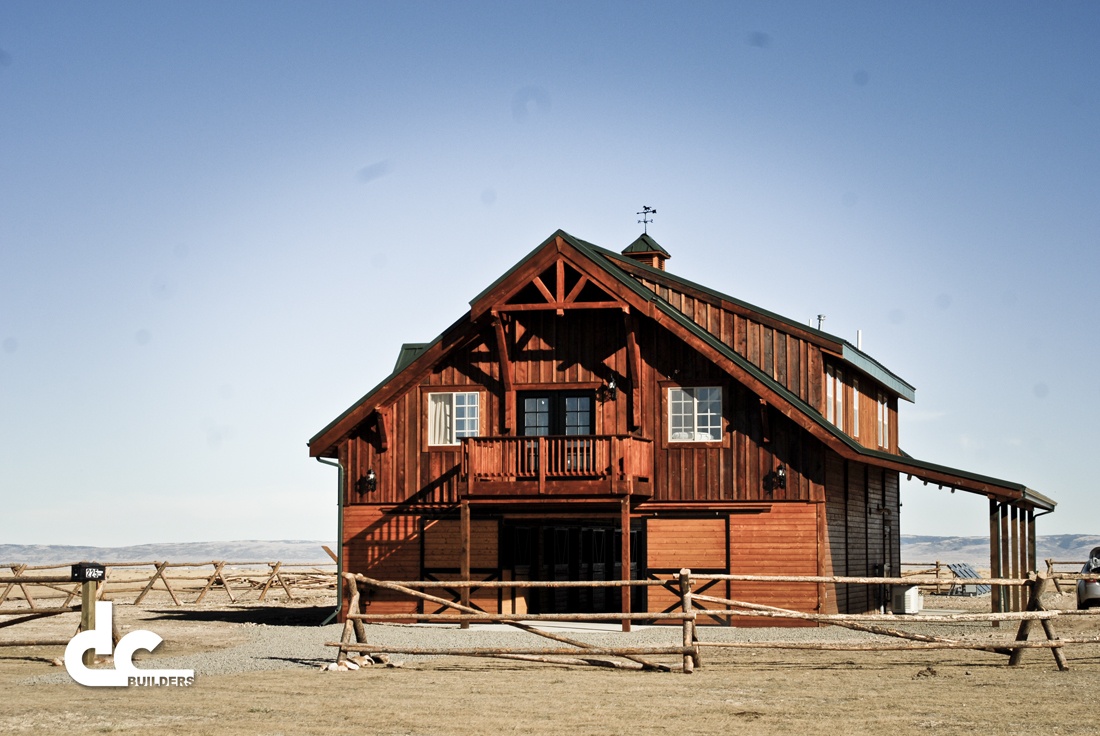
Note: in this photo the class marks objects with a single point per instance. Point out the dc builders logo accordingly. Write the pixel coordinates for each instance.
(124, 673)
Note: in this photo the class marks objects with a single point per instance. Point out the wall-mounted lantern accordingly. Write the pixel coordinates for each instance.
(610, 392)
(369, 482)
(775, 479)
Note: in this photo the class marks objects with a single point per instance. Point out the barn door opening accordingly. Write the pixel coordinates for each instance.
(571, 550)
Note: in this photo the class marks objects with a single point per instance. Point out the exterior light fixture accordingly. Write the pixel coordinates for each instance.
(369, 482)
(610, 392)
(775, 479)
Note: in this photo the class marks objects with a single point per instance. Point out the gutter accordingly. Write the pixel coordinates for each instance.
(339, 540)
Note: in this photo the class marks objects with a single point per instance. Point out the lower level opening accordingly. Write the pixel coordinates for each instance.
(547, 549)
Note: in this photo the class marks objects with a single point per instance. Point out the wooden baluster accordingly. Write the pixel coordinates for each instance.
(542, 464)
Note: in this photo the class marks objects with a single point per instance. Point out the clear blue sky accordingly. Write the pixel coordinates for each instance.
(219, 221)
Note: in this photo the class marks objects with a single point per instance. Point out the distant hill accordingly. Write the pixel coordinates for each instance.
(914, 548)
(975, 550)
(288, 550)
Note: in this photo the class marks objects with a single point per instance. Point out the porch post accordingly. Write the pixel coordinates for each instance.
(1014, 553)
(1033, 564)
(995, 555)
(464, 523)
(625, 555)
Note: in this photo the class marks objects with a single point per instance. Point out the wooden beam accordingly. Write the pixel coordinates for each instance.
(1006, 566)
(1014, 553)
(464, 524)
(383, 436)
(1031, 556)
(558, 306)
(624, 522)
(576, 290)
(542, 288)
(765, 423)
(995, 570)
(509, 397)
(633, 363)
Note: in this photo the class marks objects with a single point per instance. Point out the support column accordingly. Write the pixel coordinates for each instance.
(1032, 562)
(1014, 554)
(464, 523)
(995, 556)
(1006, 566)
(624, 555)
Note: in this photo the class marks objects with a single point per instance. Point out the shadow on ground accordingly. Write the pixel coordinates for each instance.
(267, 615)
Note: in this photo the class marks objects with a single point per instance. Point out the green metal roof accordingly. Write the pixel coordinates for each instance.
(850, 353)
(645, 244)
(410, 351)
(601, 256)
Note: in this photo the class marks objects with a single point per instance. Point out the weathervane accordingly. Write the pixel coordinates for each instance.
(645, 213)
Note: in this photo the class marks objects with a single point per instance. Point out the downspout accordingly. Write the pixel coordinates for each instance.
(339, 540)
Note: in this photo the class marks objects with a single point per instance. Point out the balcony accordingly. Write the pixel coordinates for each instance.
(572, 465)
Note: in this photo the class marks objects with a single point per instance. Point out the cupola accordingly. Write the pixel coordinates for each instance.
(648, 251)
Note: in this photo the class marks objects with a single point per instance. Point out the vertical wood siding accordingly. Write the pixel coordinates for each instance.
(861, 507)
(795, 363)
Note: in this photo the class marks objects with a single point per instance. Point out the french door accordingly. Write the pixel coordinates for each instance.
(556, 413)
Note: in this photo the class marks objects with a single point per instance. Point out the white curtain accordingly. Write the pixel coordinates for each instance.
(439, 419)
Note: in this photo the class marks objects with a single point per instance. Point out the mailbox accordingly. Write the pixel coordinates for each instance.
(84, 572)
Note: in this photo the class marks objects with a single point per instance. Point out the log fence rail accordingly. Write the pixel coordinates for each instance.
(694, 604)
(28, 588)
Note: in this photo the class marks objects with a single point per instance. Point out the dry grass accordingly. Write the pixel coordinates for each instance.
(747, 692)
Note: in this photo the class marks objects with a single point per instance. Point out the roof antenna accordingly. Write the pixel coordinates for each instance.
(820, 320)
(645, 213)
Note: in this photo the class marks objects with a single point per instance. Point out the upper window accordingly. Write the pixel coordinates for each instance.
(883, 420)
(695, 414)
(834, 396)
(452, 416)
(855, 408)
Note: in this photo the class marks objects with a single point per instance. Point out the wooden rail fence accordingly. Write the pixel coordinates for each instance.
(89, 594)
(23, 593)
(693, 605)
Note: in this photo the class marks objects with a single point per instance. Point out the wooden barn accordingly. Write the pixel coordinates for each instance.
(593, 415)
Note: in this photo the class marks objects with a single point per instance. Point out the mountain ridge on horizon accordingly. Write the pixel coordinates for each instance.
(915, 548)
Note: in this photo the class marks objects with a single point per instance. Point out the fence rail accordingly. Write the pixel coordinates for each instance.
(693, 604)
(28, 588)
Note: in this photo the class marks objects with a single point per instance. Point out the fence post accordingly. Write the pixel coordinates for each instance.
(690, 660)
(1050, 573)
(87, 615)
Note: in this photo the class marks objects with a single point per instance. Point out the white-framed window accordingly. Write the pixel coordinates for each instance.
(695, 414)
(855, 408)
(883, 420)
(452, 416)
(834, 396)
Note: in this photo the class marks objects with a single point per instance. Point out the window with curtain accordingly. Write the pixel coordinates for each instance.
(695, 414)
(452, 416)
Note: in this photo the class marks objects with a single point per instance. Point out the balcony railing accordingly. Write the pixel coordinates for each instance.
(560, 465)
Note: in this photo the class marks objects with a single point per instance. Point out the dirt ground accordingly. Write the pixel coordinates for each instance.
(747, 691)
